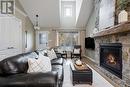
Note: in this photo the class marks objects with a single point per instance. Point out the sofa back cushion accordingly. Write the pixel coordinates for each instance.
(8, 68)
(12, 65)
(51, 54)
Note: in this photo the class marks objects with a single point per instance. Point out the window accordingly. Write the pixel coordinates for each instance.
(68, 39)
(43, 38)
(68, 13)
(67, 10)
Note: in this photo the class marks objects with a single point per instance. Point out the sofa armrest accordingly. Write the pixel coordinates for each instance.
(52, 74)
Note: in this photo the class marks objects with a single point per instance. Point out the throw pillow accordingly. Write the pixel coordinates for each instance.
(76, 51)
(46, 62)
(42, 64)
(51, 54)
(44, 52)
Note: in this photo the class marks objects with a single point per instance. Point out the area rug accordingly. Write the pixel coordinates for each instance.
(98, 80)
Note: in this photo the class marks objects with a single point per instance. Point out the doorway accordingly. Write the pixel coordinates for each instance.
(42, 39)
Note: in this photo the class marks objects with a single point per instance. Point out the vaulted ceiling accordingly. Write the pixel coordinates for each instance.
(49, 12)
(85, 12)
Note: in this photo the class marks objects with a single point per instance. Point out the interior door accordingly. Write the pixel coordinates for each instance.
(42, 39)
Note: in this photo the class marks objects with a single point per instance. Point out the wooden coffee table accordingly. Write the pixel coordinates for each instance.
(80, 76)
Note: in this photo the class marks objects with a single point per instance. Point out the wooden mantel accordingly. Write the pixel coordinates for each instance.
(120, 28)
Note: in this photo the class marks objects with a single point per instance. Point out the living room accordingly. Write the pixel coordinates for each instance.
(84, 43)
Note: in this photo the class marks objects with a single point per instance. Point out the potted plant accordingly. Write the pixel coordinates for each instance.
(123, 15)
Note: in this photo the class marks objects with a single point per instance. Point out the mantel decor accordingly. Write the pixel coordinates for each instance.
(123, 16)
(122, 11)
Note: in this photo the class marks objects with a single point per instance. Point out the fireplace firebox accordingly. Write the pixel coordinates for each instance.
(111, 58)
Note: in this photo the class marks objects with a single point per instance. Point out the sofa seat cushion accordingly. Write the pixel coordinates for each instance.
(18, 80)
(59, 69)
(41, 79)
(30, 80)
(57, 61)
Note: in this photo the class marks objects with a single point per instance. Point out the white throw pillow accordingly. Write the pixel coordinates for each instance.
(42, 64)
(51, 54)
(76, 51)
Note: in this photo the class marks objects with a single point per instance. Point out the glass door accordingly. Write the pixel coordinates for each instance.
(42, 39)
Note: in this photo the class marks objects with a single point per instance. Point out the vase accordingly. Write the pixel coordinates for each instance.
(123, 16)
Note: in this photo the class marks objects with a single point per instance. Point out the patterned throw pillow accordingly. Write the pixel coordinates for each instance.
(42, 64)
(51, 54)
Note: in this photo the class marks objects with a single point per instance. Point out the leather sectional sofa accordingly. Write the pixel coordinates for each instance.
(13, 72)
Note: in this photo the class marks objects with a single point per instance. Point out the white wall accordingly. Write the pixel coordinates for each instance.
(30, 35)
(78, 6)
(84, 13)
(26, 26)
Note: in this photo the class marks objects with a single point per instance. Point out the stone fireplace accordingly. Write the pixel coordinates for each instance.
(116, 34)
(111, 58)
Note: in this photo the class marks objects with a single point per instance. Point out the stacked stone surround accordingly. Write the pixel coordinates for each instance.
(123, 38)
(113, 35)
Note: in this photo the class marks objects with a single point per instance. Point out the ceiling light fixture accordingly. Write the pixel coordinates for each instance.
(36, 26)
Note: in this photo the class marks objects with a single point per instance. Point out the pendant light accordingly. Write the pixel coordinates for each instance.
(36, 26)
